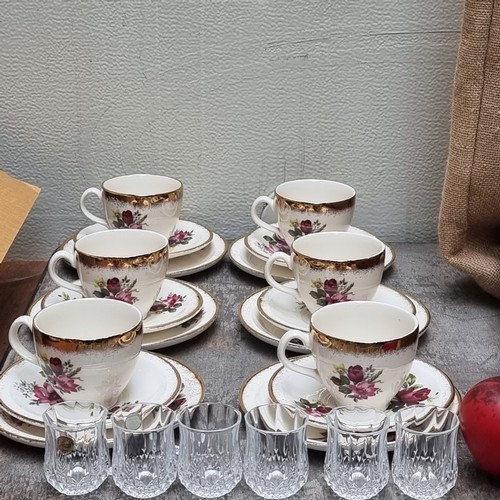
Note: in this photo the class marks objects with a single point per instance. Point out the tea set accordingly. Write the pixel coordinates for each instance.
(325, 300)
(115, 298)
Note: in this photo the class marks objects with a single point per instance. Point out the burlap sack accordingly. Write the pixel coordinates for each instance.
(469, 221)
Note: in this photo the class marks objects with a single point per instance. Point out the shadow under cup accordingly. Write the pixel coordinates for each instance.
(86, 348)
(363, 351)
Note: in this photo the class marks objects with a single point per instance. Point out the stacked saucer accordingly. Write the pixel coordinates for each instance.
(251, 252)
(24, 394)
(425, 384)
(181, 312)
(269, 313)
(193, 247)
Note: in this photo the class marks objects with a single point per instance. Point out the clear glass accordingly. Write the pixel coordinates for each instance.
(424, 465)
(209, 463)
(76, 454)
(144, 459)
(276, 463)
(357, 462)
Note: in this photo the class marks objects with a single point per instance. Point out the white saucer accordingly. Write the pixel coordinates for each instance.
(187, 330)
(198, 261)
(285, 311)
(259, 327)
(18, 382)
(199, 323)
(188, 238)
(262, 244)
(250, 264)
(289, 387)
(192, 392)
(252, 395)
(187, 264)
(177, 302)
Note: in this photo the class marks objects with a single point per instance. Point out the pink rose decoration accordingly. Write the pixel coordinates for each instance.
(412, 397)
(355, 374)
(113, 285)
(306, 226)
(56, 366)
(127, 217)
(66, 384)
(46, 394)
(334, 299)
(124, 297)
(363, 390)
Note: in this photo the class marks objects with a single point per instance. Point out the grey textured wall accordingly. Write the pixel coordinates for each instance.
(232, 97)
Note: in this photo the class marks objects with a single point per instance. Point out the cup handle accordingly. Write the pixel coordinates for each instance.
(268, 201)
(70, 259)
(304, 337)
(85, 210)
(269, 276)
(14, 341)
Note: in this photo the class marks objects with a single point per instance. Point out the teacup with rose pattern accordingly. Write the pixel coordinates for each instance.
(86, 348)
(331, 267)
(363, 351)
(137, 201)
(124, 265)
(306, 206)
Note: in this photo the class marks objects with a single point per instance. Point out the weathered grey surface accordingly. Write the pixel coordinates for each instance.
(463, 339)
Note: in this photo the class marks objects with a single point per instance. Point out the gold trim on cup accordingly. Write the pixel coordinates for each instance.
(123, 262)
(127, 338)
(147, 200)
(351, 347)
(346, 265)
(77, 345)
(319, 208)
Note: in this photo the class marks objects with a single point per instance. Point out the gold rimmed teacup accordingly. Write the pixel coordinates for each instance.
(124, 265)
(331, 267)
(138, 201)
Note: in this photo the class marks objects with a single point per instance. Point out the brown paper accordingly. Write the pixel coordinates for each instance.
(16, 200)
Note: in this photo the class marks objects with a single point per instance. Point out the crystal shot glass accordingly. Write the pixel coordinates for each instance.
(144, 462)
(357, 462)
(76, 458)
(424, 465)
(209, 463)
(276, 463)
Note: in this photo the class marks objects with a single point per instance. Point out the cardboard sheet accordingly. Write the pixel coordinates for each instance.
(16, 200)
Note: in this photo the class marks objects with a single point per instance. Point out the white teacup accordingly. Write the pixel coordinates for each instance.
(331, 267)
(87, 348)
(363, 351)
(306, 206)
(138, 201)
(123, 265)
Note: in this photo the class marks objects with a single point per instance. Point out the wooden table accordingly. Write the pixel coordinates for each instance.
(18, 282)
(463, 340)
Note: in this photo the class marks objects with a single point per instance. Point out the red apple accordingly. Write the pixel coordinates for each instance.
(480, 424)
